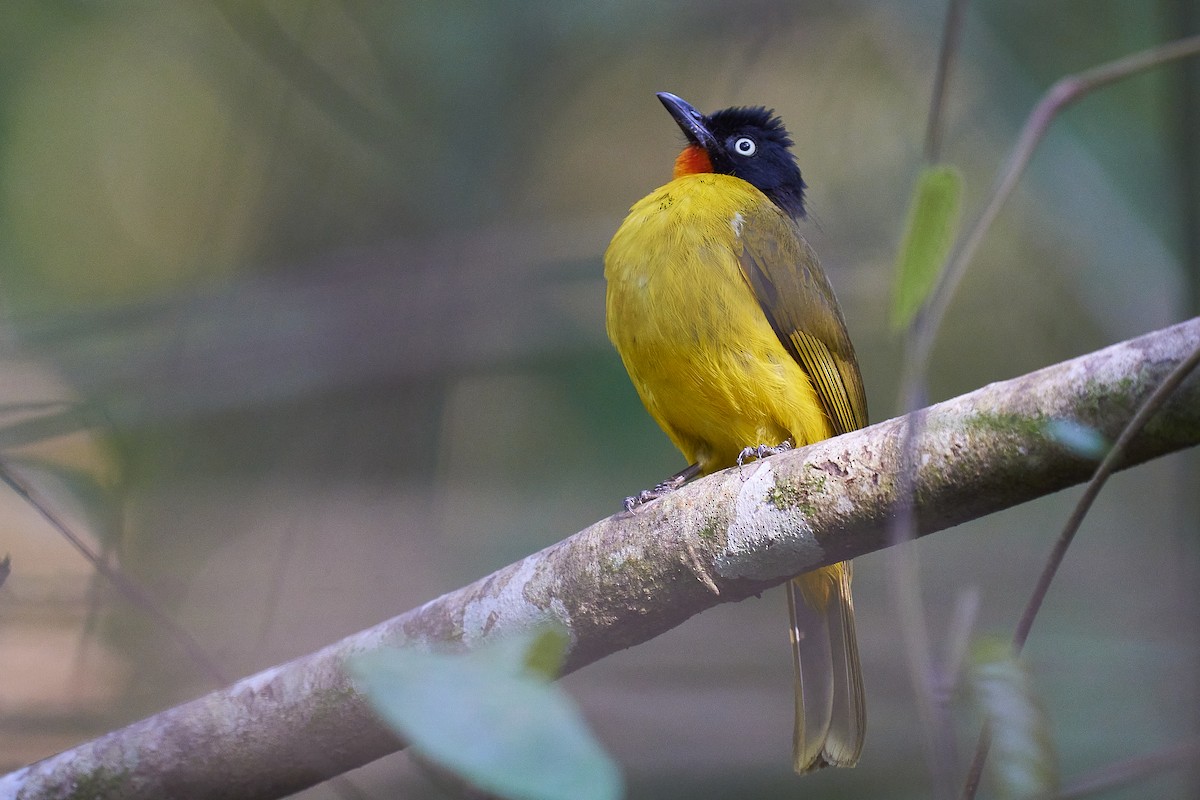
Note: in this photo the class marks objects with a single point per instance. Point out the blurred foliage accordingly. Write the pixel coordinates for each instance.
(303, 315)
(1022, 759)
(492, 718)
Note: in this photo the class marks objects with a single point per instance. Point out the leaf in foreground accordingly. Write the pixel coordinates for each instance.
(1022, 762)
(486, 717)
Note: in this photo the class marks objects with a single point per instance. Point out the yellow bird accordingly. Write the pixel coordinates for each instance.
(735, 342)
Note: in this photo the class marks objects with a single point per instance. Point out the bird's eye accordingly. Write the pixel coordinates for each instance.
(745, 146)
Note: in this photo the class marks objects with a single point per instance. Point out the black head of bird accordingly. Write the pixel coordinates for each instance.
(747, 142)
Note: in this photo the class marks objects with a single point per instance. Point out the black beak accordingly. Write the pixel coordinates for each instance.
(690, 121)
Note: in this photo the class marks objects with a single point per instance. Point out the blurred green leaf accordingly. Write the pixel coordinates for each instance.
(933, 218)
(1080, 439)
(5, 568)
(491, 717)
(1023, 761)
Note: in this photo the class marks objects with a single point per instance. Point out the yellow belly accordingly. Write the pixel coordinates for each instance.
(699, 349)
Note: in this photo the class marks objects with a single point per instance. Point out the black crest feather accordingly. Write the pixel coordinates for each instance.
(729, 121)
(773, 169)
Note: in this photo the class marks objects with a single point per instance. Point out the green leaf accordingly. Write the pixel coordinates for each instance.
(1080, 439)
(491, 717)
(1022, 761)
(933, 218)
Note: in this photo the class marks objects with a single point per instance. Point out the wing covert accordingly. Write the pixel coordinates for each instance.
(796, 297)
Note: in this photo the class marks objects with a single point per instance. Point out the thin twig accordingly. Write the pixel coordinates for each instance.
(923, 330)
(126, 586)
(951, 35)
(1107, 466)
(1062, 94)
(903, 565)
(958, 641)
(905, 582)
(904, 569)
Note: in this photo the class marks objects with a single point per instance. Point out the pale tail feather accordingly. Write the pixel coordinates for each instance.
(830, 709)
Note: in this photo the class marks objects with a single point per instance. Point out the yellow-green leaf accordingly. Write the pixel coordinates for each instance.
(933, 218)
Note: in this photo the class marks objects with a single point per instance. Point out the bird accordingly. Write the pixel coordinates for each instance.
(733, 338)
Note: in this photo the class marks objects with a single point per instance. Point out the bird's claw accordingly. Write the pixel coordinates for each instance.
(763, 450)
(641, 498)
(646, 495)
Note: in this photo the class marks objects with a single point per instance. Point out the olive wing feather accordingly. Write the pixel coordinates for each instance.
(796, 297)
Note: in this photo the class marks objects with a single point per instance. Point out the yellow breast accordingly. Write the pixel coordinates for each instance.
(699, 349)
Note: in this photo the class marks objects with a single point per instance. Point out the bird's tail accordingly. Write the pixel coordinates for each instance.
(830, 708)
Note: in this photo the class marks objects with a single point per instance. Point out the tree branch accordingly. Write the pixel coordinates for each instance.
(631, 577)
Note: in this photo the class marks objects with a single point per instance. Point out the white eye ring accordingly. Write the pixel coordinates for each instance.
(745, 146)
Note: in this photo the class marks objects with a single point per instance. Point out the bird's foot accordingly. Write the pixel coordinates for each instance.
(661, 490)
(646, 495)
(763, 450)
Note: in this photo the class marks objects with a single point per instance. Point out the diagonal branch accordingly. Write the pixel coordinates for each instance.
(631, 577)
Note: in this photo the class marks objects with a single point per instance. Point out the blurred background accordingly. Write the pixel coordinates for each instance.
(302, 325)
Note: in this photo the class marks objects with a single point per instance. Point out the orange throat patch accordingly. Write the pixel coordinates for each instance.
(692, 160)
